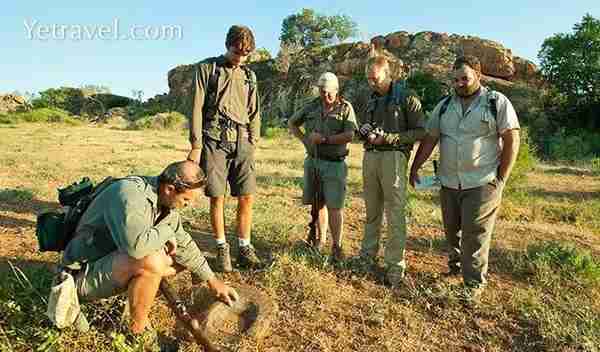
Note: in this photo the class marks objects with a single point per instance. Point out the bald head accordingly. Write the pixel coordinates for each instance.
(183, 175)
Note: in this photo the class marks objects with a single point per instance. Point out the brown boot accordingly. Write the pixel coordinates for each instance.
(224, 258)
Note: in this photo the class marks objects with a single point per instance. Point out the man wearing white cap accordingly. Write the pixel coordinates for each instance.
(329, 124)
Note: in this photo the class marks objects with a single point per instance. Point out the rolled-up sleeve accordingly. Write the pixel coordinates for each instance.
(507, 116)
(189, 255)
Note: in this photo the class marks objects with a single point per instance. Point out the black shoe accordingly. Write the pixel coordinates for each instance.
(337, 255)
(247, 258)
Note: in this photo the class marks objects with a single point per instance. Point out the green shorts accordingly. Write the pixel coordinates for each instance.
(333, 176)
(224, 164)
(95, 279)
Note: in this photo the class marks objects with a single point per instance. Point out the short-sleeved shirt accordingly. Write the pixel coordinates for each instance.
(403, 122)
(339, 120)
(470, 143)
(236, 96)
(125, 217)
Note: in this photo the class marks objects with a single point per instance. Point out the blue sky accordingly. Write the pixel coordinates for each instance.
(123, 65)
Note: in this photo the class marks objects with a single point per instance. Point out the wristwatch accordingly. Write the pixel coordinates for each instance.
(324, 140)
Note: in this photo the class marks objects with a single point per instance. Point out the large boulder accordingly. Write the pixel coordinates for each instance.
(525, 70)
(496, 60)
(10, 103)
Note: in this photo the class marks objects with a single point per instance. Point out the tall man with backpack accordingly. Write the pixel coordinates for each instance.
(478, 132)
(225, 127)
(392, 123)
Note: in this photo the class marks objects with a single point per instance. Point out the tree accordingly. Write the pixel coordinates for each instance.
(310, 29)
(571, 63)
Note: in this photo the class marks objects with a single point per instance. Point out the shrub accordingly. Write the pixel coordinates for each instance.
(568, 261)
(526, 159)
(571, 145)
(429, 89)
(64, 98)
(42, 115)
(171, 120)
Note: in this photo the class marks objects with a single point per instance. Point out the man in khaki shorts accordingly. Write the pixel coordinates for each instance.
(131, 236)
(329, 125)
(224, 131)
(478, 132)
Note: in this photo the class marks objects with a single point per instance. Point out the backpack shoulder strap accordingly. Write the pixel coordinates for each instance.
(445, 103)
(399, 92)
(492, 97)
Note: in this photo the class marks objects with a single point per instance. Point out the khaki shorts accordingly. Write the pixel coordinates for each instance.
(223, 164)
(95, 280)
(333, 176)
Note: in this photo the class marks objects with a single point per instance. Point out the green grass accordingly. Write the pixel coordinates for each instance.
(564, 260)
(542, 295)
(558, 301)
(23, 195)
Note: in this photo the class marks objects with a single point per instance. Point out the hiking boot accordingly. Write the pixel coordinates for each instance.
(223, 258)
(337, 255)
(452, 271)
(363, 261)
(472, 294)
(394, 276)
(146, 341)
(247, 257)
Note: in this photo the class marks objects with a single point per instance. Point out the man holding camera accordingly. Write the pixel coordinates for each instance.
(392, 123)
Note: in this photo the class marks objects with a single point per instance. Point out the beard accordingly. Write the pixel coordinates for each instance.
(467, 91)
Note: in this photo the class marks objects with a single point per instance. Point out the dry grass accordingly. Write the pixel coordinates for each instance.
(322, 308)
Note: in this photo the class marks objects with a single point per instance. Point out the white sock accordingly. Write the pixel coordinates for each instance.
(244, 242)
(221, 241)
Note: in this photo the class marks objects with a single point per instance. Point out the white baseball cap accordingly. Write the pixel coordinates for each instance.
(328, 82)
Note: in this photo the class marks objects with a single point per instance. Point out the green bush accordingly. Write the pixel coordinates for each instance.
(566, 260)
(41, 115)
(162, 121)
(275, 132)
(64, 98)
(429, 89)
(526, 159)
(571, 145)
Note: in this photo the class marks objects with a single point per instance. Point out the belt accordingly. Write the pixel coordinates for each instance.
(385, 149)
(328, 158)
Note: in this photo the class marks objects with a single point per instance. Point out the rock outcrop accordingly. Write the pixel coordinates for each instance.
(10, 103)
(428, 52)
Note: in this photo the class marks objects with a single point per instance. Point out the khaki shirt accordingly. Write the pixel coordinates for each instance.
(237, 100)
(470, 144)
(123, 218)
(339, 120)
(403, 124)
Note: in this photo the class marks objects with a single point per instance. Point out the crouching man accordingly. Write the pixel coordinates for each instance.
(131, 236)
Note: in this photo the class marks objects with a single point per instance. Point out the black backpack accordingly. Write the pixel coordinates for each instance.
(55, 228)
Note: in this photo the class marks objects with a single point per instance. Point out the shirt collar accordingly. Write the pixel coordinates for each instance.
(151, 190)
